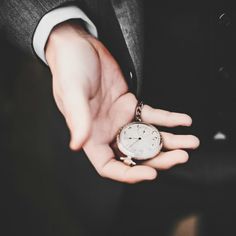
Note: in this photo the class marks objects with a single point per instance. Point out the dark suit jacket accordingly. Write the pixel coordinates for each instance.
(20, 19)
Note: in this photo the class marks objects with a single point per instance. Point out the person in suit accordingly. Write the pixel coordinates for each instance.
(93, 79)
(89, 108)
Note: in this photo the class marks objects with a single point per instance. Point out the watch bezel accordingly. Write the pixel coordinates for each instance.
(126, 152)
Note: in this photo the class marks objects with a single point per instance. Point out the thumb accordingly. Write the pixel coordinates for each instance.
(78, 117)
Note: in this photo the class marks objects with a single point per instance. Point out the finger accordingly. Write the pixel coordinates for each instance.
(119, 171)
(166, 160)
(102, 158)
(125, 107)
(77, 114)
(165, 118)
(173, 141)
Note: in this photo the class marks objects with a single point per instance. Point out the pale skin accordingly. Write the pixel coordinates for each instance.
(91, 93)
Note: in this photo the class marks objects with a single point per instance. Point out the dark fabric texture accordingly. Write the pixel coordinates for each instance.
(130, 16)
(20, 19)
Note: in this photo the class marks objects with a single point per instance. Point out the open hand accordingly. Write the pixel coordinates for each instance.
(91, 93)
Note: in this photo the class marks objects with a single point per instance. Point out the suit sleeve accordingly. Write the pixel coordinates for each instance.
(53, 18)
(19, 19)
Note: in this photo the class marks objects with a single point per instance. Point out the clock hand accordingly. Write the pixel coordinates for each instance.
(134, 142)
(133, 138)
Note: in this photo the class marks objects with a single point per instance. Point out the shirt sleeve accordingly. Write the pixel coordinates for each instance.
(53, 18)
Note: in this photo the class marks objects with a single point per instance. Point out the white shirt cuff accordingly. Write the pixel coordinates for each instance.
(53, 18)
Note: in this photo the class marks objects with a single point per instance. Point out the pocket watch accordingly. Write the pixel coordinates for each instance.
(138, 140)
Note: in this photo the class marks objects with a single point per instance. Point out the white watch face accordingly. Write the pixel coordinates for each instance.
(139, 140)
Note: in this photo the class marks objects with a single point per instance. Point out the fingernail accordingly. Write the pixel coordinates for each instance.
(190, 121)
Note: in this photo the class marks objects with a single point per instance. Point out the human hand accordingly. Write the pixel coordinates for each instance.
(91, 93)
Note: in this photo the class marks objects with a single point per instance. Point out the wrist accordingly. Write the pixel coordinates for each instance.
(62, 35)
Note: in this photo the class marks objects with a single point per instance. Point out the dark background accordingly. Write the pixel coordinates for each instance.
(48, 190)
(45, 188)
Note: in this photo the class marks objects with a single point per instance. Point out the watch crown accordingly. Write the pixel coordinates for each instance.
(128, 161)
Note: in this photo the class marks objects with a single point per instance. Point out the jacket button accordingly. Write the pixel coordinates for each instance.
(224, 19)
(131, 75)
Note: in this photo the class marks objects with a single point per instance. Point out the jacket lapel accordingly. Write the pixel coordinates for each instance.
(129, 15)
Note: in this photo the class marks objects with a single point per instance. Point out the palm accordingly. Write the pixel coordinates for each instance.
(112, 107)
(93, 96)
